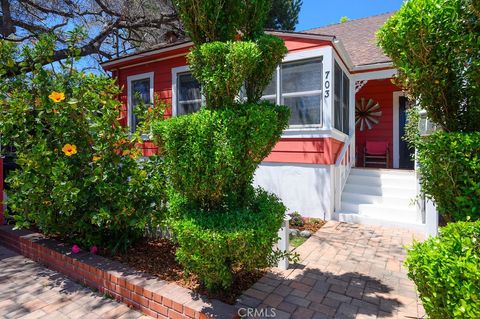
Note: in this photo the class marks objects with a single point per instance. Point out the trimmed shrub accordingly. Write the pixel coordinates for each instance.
(450, 173)
(217, 244)
(222, 67)
(78, 175)
(446, 270)
(435, 45)
(211, 155)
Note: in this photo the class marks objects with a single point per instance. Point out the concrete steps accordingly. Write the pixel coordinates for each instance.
(380, 197)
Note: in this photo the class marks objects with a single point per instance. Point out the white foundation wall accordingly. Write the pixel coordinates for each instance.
(305, 188)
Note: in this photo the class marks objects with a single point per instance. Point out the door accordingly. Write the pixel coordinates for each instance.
(405, 152)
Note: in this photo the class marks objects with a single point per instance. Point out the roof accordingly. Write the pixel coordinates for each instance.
(358, 38)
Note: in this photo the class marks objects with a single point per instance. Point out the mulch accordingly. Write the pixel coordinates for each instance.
(157, 257)
(313, 227)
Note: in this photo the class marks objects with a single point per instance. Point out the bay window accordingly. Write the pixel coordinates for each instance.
(341, 100)
(300, 88)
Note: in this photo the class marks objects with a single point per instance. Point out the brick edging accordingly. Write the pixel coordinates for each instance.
(152, 296)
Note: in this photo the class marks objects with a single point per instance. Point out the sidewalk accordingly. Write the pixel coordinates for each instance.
(29, 290)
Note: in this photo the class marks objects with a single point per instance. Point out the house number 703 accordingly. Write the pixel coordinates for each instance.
(327, 84)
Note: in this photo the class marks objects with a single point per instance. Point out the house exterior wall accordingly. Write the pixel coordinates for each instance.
(381, 91)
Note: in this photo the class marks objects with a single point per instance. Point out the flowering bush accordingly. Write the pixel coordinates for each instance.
(79, 176)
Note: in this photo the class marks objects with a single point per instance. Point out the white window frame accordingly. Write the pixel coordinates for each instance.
(175, 72)
(130, 79)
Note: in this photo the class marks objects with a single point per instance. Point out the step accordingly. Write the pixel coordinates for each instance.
(361, 198)
(409, 192)
(354, 218)
(383, 181)
(382, 211)
(382, 172)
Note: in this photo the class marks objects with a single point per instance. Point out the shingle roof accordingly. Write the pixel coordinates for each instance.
(358, 37)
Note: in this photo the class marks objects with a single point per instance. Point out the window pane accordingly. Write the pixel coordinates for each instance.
(304, 109)
(346, 101)
(271, 89)
(302, 76)
(188, 88)
(188, 107)
(337, 102)
(141, 91)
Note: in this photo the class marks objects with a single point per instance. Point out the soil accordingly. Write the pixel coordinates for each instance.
(157, 257)
(313, 227)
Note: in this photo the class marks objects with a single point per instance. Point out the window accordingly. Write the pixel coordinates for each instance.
(140, 90)
(300, 89)
(341, 100)
(189, 96)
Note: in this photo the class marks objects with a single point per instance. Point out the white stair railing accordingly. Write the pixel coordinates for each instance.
(342, 168)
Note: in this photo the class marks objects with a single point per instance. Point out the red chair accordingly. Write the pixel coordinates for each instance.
(376, 153)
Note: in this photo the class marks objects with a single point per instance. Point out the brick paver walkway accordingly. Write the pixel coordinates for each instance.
(346, 271)
(29, 290)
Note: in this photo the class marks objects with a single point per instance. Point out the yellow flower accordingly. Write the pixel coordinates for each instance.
(125, 152)
(69, 149)
(96, 158)
(57, 96)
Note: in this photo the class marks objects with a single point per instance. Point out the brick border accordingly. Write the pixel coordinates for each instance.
(154, 297)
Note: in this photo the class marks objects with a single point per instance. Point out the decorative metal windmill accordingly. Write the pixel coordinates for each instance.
(367, 113)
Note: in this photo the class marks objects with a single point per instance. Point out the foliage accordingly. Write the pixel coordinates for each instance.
(450, 173)
(217, 244)
(222, 67)
(210, 156)
(446, 271)
(272, 52)
(213, 20)
(435, 46)
(79, 177)
(344, 19)
(284, 14)
(296, 219)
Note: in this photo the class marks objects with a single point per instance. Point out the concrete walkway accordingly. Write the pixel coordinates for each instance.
(29, 290)
(346, 271)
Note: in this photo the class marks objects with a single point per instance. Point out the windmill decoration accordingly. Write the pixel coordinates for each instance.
(367, 113)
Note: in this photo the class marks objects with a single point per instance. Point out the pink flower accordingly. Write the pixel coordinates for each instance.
(94, 250)
(75, 249)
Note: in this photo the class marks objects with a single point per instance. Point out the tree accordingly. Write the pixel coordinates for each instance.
(435, 46)
(113, 27)
(284, 14)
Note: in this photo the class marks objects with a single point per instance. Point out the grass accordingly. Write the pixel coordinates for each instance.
(296, 241)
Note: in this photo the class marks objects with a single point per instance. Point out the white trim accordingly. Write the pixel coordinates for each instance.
(373, 66)
(145, 54)
(130, 79)
(396, 128)
(175, 72)
(375, 75)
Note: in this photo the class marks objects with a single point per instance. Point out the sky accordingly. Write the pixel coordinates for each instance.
(317, 13)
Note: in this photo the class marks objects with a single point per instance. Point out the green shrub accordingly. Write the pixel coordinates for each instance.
(79, 178)
(446, 270)
(296, 219)
(217, 244)
(450, 173)
(213, 20)
(435, 45)
(222, 67)
(211, 155)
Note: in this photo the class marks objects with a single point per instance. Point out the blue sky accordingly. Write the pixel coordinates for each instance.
(316, 13)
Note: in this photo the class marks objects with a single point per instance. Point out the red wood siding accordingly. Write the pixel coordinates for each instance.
(380, 91)
(311, 151)
(306, 150)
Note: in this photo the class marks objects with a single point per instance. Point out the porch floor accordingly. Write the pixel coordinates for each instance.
(346, 271)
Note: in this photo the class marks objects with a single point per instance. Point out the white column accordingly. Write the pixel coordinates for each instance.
(283, 242)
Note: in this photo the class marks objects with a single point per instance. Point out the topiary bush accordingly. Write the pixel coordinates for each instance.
(435, 46)
(216, 245)
(446, 270)
(450, 173)
(78, 177)
(211, 156)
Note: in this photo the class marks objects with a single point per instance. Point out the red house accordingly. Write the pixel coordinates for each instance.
(338, 84)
